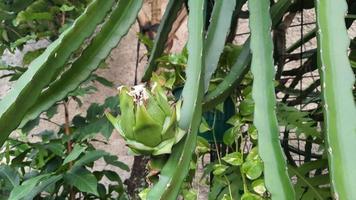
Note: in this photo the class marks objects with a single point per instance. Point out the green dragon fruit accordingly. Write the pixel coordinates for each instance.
(148, 121)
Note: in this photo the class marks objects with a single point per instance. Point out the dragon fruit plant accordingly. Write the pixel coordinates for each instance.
(148, 120)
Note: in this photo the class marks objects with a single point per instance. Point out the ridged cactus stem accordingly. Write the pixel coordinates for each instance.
(177, 167)
(275, 169)
(337, 80)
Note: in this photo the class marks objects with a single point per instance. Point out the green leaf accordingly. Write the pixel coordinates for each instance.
(55, 147)
(143, 194)
(24, 16)
(47, 182)
(40, 73)
(259, 186)
(92, 128)
(103, 81)
(252, 132)
(275, 169)
(177, 166)
(229, 137)
(10, 177)
(226, 197)
(66, 8)
(253, 154)
(233, 158)
(31, 55)
(102, 191)
(94, 111)
(83, 180)
(6, 15)
(22, 41)
(30, 125)
(97, 51)
(235, 120)
(165, 26)
(220, 188)
(19, 159)
(250, 196)
(16, 5)
(52, 111)
(219, 169)
(215, 39)
(112, 176)
(204, 126)
(145, 39)
(203, 146)
(89, 157)
(190, 194)
(305, 187)
(246, 107)
(74, 154)
(113, 160)
(337, 81)
(293, 118)
(253, 169)
(21, 191)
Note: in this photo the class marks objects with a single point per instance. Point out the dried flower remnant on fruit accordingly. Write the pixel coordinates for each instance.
(139, 94)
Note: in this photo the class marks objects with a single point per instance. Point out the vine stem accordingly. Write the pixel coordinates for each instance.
(218, 154)
(66, 126)
(72, 193)
(243, 149)
(50, 121)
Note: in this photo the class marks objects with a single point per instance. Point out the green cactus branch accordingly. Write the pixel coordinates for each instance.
(176, 168)
(275, 169)
(215, 39)
(235, 76)
(40, 73)
(166, 24)
(339, 105)
(242, 64)
(117, 25)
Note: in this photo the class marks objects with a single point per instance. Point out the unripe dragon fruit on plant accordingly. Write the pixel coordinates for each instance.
(148, 121)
